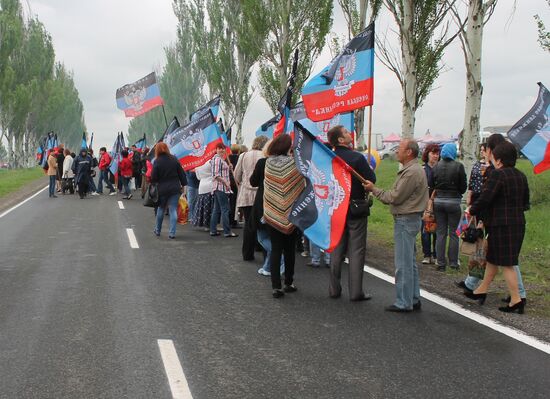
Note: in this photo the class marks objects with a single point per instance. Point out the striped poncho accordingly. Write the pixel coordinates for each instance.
(283, 183)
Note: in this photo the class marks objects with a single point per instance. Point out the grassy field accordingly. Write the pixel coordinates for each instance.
(12, 180)
(535, 253)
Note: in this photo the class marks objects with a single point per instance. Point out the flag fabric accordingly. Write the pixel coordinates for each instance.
(320, 129)
(320, 211)
(346, 84)
(141, 143)
(268, 127)
(139, 97)
(91, 140)
(531, 134)
(284, 125)
(195, 143)
(175, 124)
(212, 105)
(115, 153)
(84, 143)
(225, 138)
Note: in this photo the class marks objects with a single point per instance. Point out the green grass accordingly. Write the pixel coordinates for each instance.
(535, 253)
(12, 180)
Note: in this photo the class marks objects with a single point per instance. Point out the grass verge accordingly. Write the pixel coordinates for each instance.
(13, 179)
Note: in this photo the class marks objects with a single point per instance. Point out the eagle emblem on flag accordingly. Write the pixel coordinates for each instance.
(328, 192)
(194, 142)
(135, 97)
(347, 64)
(324, 127)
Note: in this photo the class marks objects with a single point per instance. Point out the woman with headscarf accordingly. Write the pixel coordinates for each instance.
(449, 184)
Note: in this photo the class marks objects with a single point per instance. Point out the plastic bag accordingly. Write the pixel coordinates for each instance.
(132, 184)
(183, 210)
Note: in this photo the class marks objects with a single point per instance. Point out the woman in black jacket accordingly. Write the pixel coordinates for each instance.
(450, 184)
(169, 177)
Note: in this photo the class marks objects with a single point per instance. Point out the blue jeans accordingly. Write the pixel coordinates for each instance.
(172, 204)
(428, 243)
(104, 176)
(126, 185)
(472, 283)
(315, 253)
(192, 195)
(407, 287)
(91, 185)
(221, 206)
(52, 186)
(447, 214)
(265, 242)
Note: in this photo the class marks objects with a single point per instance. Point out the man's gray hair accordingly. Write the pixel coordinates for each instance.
(259, 142)
(413, 146)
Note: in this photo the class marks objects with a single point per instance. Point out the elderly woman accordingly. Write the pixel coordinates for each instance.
(246, 194)
(503, 201)
(449, 184)
(430, 157)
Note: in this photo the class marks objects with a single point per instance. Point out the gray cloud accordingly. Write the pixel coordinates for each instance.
(110, 43)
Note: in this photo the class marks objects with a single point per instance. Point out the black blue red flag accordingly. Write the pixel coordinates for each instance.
(346, 84)
(116, 150)
(141, 143)
(320, 211)
(320, 129)
(139, 97)
(531, 134)
(212, 105)
(84, 143)
(284, 125)
(195, 143)
(268, 127)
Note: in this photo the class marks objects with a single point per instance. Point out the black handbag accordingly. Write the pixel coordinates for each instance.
(151, 198)
(360, 208)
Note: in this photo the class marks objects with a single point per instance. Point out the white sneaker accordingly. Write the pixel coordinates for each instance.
(113, 193)
(263, 272)
(94, 193)
(426, 261)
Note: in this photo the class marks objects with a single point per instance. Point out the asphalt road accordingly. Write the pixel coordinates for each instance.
(81, 313)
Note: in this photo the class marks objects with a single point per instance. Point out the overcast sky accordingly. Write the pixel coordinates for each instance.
(109, 43)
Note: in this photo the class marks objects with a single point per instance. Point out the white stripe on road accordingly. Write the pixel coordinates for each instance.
(483, 320)
(132, 238)
(174, 371)
(120, 205)
(21, 203)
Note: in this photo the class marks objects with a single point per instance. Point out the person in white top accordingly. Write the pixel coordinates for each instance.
(205, 200)
(67, 173)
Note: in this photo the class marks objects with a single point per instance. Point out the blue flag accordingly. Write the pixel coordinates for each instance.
(212, 105)
(320, 129)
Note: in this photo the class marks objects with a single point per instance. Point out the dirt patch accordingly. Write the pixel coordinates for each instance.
(534, 322)
(23, 193)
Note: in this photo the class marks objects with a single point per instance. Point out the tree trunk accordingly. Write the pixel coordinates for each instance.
(409, 81)
(474, 88)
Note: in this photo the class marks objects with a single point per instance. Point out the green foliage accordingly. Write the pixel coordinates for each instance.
(36, 94)
(291, 25)
(11, 180)
(544, 35)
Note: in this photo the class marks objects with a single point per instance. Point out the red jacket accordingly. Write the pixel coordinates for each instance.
(126, 167)
(105, 161)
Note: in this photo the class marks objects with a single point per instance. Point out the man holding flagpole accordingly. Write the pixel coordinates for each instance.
(354, 237)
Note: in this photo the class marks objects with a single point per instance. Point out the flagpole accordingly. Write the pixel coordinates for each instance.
(369, 137)
(164, 113)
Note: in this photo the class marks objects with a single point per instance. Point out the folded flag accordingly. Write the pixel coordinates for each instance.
(531, 134)
(139, 97)
(346, 84)
(320, 129)
(268, 127)
(84, 143)
(320, 211)
(195, 143)
(284, 125)
(117, 148)
(212, 105)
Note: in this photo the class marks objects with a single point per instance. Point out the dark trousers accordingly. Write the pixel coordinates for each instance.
(104, 177)
(428, 243)
(354, 244)
(282, 244)
(83, 187)
(447, 216)
(249, 235)
(52, 185)
(233, 207)
(137, 176)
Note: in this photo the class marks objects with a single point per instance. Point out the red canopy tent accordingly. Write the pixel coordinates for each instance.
(392, 138)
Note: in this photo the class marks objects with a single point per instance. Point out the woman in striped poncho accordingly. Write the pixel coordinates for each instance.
(283, 183)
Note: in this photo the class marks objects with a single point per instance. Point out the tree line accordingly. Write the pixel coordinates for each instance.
(37, 93)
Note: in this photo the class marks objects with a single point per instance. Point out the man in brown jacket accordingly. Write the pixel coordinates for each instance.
(407, 200)
(52, 172)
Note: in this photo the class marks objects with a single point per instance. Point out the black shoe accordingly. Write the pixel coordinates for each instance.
(249, 259)
(509, 298)
(462, 285)
(365, 297)
(171, 237)
(478, 297)
(395, 309)
(314, 265)
(214, 234)
(336, 296)
(440, 268)
(278, 293)
(417, 306)
(290, 288)
(518, 307)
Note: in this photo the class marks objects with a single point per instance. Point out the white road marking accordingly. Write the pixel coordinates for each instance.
(174, 371)
(22, 202)
(120, 205)
(483, 320)
(132, 238)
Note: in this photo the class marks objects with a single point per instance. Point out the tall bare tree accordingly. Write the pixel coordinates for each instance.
(424, 34)
(471, 39)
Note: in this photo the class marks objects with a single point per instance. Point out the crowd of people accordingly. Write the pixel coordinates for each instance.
(254, 190)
